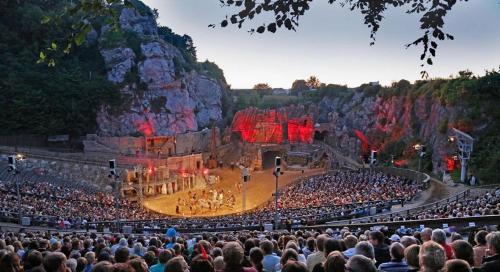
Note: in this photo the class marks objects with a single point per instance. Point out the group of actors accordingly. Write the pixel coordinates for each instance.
(208, 201)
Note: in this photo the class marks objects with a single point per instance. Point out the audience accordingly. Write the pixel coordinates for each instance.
(225, 252)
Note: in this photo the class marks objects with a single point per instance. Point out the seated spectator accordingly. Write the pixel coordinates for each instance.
(103, 266)
(10, 262)
(457, 265)
(122, 255)
(32, 260)
(381, 249)
(463, 250)
(350, 243)
(318, 256)
(492, 262)
(294, 266)
(359, 263)
(256, 257)
(397, 264)
(480, 247)
(439, 236)
(177, 264)
(407, 241)
(270, 260)
(289, 254)
(139, 265)
(431, 257)
(335, 262)
(310, 247)
(163, 258)
(219, 263)
(233, 255)
(90, 256)
(411, 257)
(54, 262)
(364, 248)
(202, 263)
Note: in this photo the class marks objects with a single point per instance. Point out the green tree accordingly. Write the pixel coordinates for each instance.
(35, 99)
(313, 82)
(261, 86)
(298, 86)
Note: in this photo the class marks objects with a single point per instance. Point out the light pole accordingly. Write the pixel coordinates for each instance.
(421, 149)
(113, 174)
(276, 219)
(15, 169)
(277, 172)
(244, 176)
(464, 143)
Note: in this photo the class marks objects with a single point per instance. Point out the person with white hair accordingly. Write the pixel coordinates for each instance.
(426, 234)
(360, 263)
(492, 263)
(137, 250)
(431, 257)
(121, 243)
(439, 236)
(366, 249)
(71, 264)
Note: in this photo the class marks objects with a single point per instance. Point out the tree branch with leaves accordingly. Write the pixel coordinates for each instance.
(288, 12)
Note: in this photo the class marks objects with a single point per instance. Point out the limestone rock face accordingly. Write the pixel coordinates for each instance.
(158, 67)
(161, 99)
(131, 19)
(206, 94)
(118, 61)
(393, 118)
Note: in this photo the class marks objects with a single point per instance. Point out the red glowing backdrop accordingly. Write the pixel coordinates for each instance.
(266, 126)
(365, 144)
(300, 130)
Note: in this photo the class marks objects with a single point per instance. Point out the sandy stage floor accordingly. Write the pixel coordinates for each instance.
(259, 190)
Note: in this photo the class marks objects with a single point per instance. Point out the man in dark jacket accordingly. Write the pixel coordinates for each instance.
(492, 263)
(382, 254)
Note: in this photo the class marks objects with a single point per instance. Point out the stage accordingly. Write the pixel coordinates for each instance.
(259, 190)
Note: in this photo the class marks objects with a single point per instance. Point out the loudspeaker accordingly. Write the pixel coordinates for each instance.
(25, 221)
(127, 229)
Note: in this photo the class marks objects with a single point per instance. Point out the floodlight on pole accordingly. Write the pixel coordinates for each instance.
(465, 144)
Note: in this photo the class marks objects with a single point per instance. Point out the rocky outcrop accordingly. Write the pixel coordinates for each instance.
(143, 24)
(119, 62)
(159, 98)
(385, 120)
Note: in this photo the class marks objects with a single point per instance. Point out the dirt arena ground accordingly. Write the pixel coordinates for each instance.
(259, 190)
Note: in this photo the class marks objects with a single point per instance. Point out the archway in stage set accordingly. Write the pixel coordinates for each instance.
(268, 159)
(320, 135)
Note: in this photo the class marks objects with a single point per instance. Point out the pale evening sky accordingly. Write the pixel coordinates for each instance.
(332, 43)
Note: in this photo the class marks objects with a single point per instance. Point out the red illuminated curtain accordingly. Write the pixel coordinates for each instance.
(300, 130)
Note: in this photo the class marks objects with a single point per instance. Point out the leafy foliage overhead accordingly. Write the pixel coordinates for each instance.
(288, 12)
(34, 99)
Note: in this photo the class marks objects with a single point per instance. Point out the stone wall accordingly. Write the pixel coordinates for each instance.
(181, 144)
(71, 171)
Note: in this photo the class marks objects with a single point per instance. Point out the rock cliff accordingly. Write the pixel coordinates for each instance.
(160, 96)
(393, 119)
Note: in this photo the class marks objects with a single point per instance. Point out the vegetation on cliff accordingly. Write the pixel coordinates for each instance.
(36, 99)
(46, 89)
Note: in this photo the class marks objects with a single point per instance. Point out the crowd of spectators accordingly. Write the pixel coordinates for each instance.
(339, 195)
(425, 250)
(76, 204)
(346, 187)
(480, 203)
